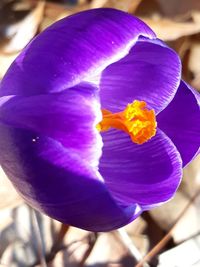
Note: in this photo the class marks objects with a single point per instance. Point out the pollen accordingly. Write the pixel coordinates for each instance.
(136, 120)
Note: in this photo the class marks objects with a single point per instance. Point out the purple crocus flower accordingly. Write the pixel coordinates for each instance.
(96, 123)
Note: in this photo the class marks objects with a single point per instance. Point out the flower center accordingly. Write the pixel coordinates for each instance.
(136, 120)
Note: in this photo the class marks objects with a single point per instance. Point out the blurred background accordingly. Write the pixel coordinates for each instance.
(168, 236)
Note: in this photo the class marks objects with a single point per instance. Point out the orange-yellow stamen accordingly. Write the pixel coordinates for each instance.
(136, 120)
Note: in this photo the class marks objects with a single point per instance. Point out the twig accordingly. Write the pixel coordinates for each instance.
(61, 248)
(127, 241)
(58, 242)
(41, 253)
(155, 250)
(91, 242)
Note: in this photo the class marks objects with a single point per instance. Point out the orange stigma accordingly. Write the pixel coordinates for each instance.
(136, 120)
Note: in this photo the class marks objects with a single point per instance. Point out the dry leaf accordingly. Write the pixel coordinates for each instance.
(125, 5)
(196, 16)
(196, 82)
(98, 3)
(5, 62)
(9, 198)
(178, 7)
(194, 61)
(169, 30)
(136, 230)
(108, 249)
(167, 214)
(181, 45)
(185, 255)
(26, 30)
(70, 11)
(148, 8)
(52, 12)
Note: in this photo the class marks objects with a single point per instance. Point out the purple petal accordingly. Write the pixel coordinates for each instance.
(146, 174)
(181, 122)
(50, 152)
(150, 72)
(70, 117)
(73, 49)
(42, 172)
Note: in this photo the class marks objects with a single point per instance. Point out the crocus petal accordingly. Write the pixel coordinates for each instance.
(70, 117)
(71, 50)
(181, 122)
(50, 152)
(150, 72)
(42, 173)
(146, 174)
